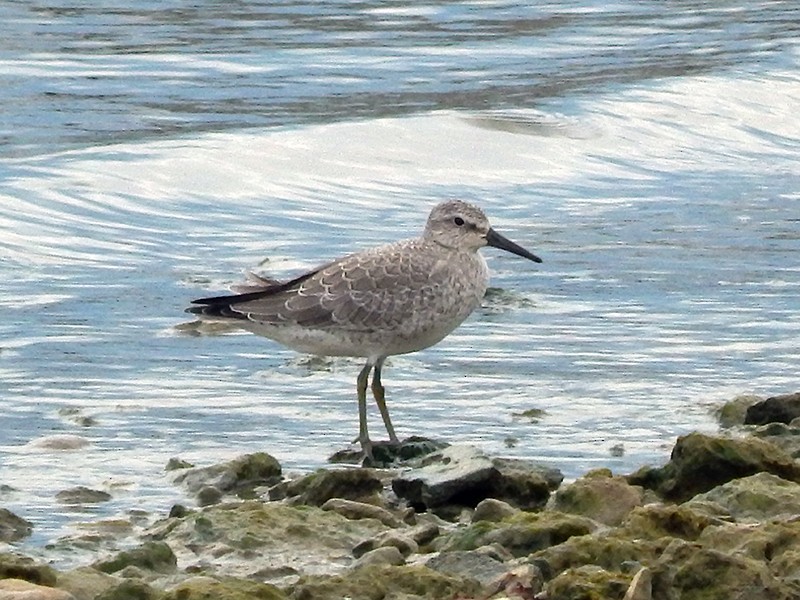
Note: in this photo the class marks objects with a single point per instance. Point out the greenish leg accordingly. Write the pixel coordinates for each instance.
(380, 399)
(363, 434)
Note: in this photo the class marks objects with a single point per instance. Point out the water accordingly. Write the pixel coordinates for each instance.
(647, 151)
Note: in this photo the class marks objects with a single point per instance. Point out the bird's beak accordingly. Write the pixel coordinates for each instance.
(496, 240)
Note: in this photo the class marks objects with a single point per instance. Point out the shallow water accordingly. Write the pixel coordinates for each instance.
(647, 152)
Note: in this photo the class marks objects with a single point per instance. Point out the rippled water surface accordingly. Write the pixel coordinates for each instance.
(648, 151)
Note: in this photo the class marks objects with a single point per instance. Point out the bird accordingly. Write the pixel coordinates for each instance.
(392, 299)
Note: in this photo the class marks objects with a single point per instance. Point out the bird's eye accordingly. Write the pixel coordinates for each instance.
(458, 221)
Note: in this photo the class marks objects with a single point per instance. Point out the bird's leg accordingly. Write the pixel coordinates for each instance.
(380, 399)
(363, 434)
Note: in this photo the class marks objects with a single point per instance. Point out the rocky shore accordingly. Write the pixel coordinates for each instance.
(720, 520)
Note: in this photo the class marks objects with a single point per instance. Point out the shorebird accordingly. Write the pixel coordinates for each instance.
(392, 299)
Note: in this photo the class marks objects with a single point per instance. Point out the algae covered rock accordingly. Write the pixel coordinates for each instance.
(655, 521)
(599, 496)
(224, 588)
(150, 556)
(257, 539)
(129, 589)
(18, 566)
(692, 572)
(238, 476)
(12, 527)
(588, 582)
(319, 487)
(520, 534)
(756, 498)
(701, 462)
(384, 583)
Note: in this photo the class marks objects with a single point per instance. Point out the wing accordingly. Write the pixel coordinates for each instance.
(376, 289)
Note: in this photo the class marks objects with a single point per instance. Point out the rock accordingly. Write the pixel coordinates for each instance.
(177, 464)
(86, 583)
(732, 413)
(692, 572)
(760, 497)
(17, 566)
(385, 555)
(82, 495)
(655, 521)
(19, 589)
(386, 454)
(405, 545)
(611, 551)
(521, 534)
(424, 533)
(786, 437)
(208, 495)
(150, 556)
(777, 409)
(227, 588)
(468, 565)
(374, 582)
(492, 510)
(12, 527)
(463, 476)
(130, 589)
(62, 441)
(247, 537)
(360, 510)
(641, 587)
(239, 476)
(587, 582)
(319, 487)
(599, 496)
(701, 462)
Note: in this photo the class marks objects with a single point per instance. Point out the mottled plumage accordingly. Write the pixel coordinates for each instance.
(392, 299)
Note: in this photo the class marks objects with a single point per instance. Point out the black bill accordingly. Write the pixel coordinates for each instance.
(496, 240)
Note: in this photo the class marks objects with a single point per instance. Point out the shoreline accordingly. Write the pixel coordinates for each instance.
(718, 520)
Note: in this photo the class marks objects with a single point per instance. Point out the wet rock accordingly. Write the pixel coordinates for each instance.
(424, 533)
(150, 556)
(360, 485)
(62, 441)
(521, 534)
(588, 582)
(385, 555)
(19, 589)
(239, 476)
(463, 476)
(386, 454)
(692, 572)
(468, 565)
(82, 495)
(701, 462)
(492, 510)
(17, 566)
(12, 527)
(378, 581)
(176, 464)
(756, 498)
(361, 510)
(599, 496)
(223, 588)
(777, 409)
(732, 413)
